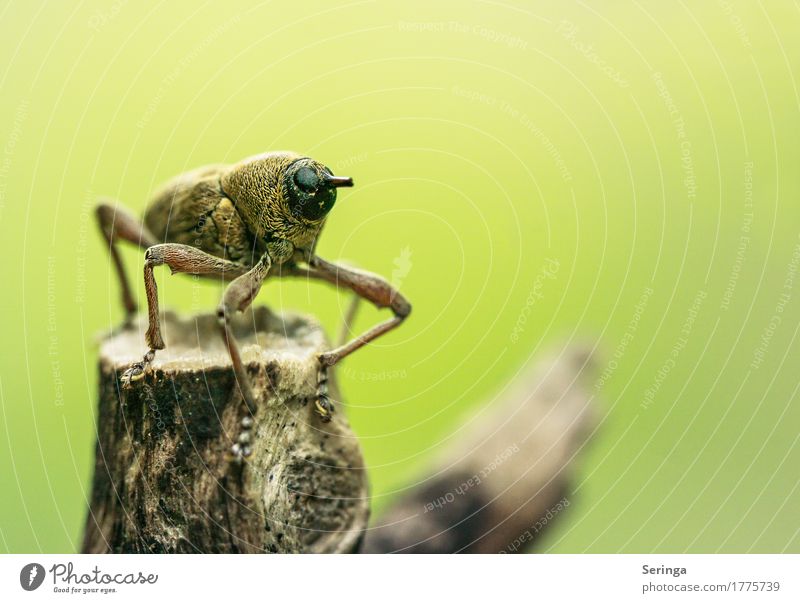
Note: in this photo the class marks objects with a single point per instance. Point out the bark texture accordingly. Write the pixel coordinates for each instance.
(164, 480)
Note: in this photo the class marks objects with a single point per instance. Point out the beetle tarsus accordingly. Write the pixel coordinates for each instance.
(240, 453)
(242, 449)
(137, 370)
(322, 404)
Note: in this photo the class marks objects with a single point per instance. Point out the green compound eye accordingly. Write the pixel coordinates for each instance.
(306, 179)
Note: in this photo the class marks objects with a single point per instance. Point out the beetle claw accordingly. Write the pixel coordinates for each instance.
(137, 370)
(324, 408)
(134, 373)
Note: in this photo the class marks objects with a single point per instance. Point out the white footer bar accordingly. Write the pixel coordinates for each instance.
(382, 579)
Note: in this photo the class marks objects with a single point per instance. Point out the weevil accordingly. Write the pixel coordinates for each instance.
(242, 224)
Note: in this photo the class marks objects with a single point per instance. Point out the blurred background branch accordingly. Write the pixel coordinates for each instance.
(506, 479)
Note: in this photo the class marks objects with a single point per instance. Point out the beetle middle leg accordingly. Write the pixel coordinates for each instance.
(368, 286)
(237, 297)
(349, 318)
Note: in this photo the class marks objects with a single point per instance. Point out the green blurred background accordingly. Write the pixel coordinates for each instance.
(649, 148)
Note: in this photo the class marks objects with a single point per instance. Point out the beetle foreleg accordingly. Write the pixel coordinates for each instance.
(179, 258)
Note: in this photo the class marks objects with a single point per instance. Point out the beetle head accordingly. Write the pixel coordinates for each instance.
(310, 188)
(280, 194)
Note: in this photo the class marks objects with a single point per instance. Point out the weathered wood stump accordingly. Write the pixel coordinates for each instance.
(164, 480)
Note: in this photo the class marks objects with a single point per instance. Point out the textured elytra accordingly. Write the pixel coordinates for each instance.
(164, 480)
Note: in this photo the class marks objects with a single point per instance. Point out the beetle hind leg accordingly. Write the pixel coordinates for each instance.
(116, 223)
(366, 286)
(323, 405)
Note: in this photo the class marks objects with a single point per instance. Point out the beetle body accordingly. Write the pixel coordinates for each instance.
(243, 223)
(236, 211)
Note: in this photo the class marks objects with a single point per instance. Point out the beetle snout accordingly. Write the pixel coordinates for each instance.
(338, 181)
